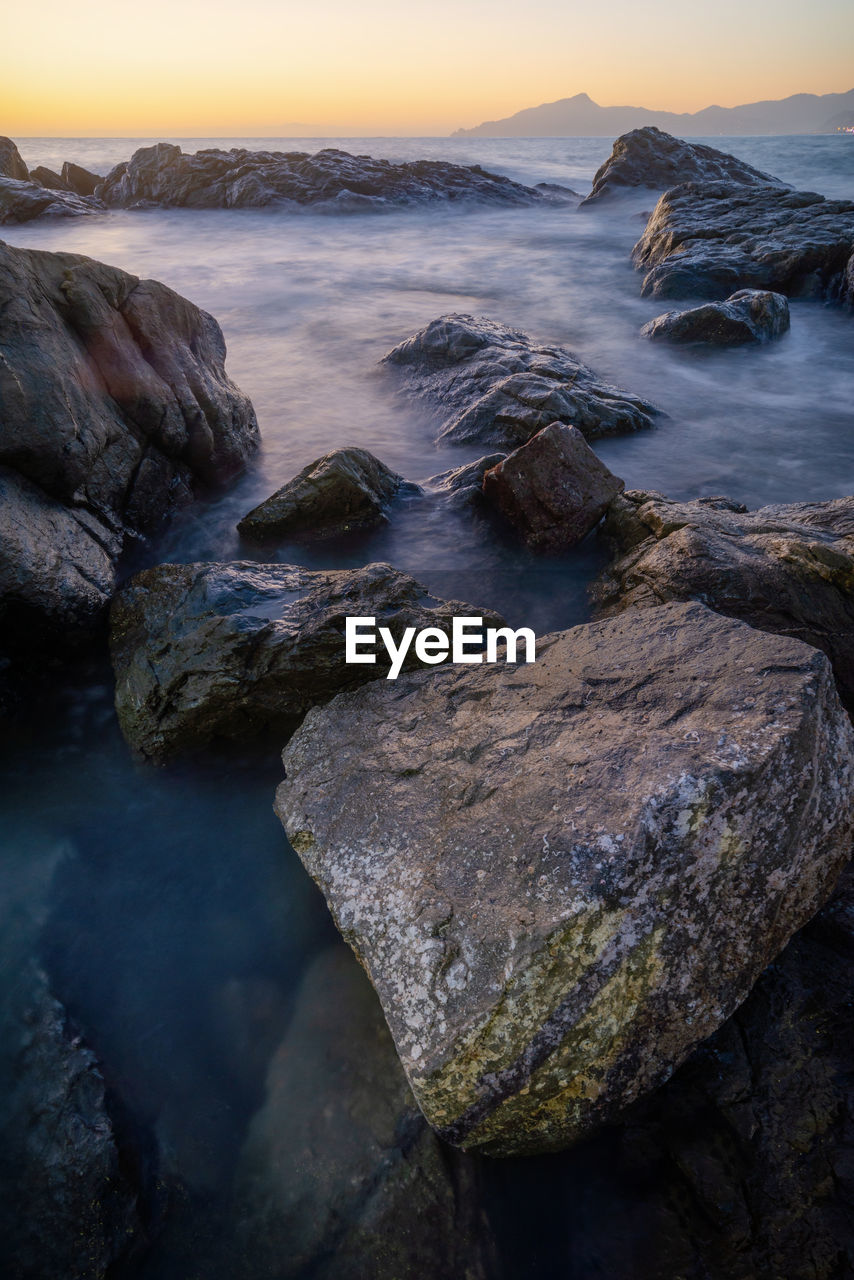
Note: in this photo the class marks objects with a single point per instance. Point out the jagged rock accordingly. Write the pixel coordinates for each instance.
(463, 486)
(554, 489)
(708, 239)
(342, 491)
(11, 164)
(207, 651)
(49, 178)
(561, 877)
(81, 180)
(331, 179)
(116, 406)
(492, 385)
(747, 316)
(23, 201)
(651, 158)
(788, 569)
(340, 1176)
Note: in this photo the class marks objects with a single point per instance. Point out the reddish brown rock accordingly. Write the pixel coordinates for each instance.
(554, 489)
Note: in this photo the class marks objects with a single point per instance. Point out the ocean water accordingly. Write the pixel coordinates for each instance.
(174, 920)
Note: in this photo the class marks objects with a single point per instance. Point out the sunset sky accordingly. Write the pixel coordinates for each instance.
(278, 67)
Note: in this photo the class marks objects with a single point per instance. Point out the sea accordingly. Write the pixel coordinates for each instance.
(161, 902)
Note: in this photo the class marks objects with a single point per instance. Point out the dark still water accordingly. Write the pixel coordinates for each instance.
(169, 912)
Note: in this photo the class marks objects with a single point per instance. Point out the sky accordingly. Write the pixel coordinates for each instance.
(195, 68)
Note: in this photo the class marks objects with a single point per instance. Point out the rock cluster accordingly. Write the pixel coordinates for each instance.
(492, 385)
(788, 569)
(343, 491)
(210, 651)
(562, 877)
(708, 239)
(749, 315)
(116, 407)
(651, 158)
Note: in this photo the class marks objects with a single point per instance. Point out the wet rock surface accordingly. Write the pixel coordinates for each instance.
(330, 179)
(341, 1177)
(788, 569)
(116, 408)
(463, 486)
(23, 201)
(561, 877)
(747, 316)
(649, 157)
(708, 239)
(345, 490)
(210, 651)
(553, 489)
(493, 385)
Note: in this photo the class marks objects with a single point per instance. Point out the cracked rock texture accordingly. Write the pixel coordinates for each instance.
(332, 180)
(706, 240)
(492, 385)
(341, 1177)
(209, 651)
(749, 315)
(561, 877)
(554, 489)
(787, 569)
(116, 409)
(649, 157)
(342, 491)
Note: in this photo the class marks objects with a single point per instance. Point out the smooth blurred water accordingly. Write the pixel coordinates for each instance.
(179, 922)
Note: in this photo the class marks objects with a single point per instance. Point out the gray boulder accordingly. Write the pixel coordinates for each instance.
(562, 877)
(649, 157)
(331, 180)
(342, 491)
(341, 1177)
(81, 180)
(491, 385)
(24, 201)
(788, 569)
(49, 178)
(209, 651)
(749, 315)
(116, 409)
(554, 489)
(463, 486)
(11, 164)
(706, 240)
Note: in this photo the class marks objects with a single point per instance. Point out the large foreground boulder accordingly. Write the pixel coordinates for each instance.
(788, 569)
(332, 180)
(209, 651)
(750, 315)
(562, 877)
(116, 409)
(343, 491)
(492, 385)
(649, 157)
(341, 1177)
(554, 489)
(706, 240)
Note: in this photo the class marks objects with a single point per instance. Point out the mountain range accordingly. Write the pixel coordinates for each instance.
(581, 117)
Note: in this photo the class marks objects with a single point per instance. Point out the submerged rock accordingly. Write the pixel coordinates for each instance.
(708, 239)
(463, 486)
(341, 1178)
(331, 179)
(342, 491)
(747, 316)
(554, 489)
(788, 569)
(209, 651)
(649, 157)
(491, 385)
(562, 877)
(11, 164)
(116, 406)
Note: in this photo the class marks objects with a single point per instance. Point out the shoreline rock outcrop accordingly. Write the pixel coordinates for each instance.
(493, 385)
(651, 158)
(204, 652)
(116, 410)
(562, 877)
(748, 315)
